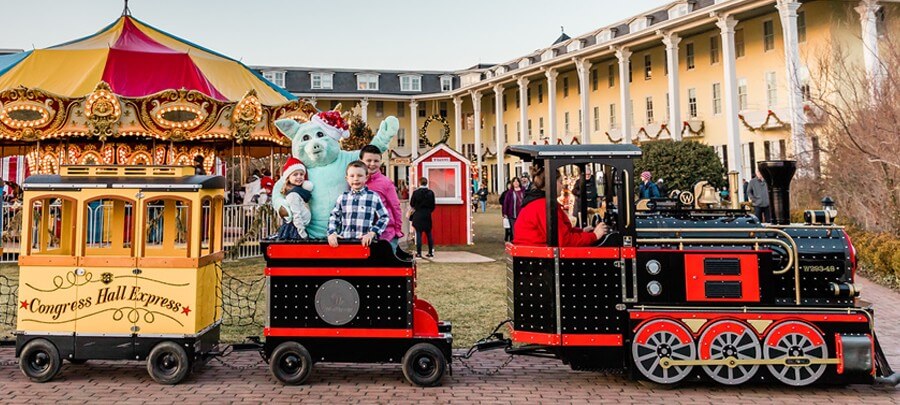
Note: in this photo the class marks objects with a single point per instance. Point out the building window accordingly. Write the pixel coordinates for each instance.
(768, 35)
(692, 103)
(594, 79)
(713, 50)
(504, 102)
(379, 108)
(410, 83)
(612, 116)
(596, 118)
(334, 104)
(468, 121)
(566, 121)
(689, 50)
(422, 109)
(801, 26)
(666, 62)
(739, 43)
(806, 91)
(612, 75)
(717, 98)
(368, 82)
(630, 73)
(771, 90)
(540, 94)
(648, 67)
(637, 25)
(277, 78)
(649, 103)
(541, 126)
(668, 107)
(401, 109)
(580, 122)
(565, 87)
(518, 131)
(505, 134)
(528, 94)
(321, 81)
(529, 129)
(442, 109)
(518, 101)
(742, 94)
(446, 83)
(401, 137)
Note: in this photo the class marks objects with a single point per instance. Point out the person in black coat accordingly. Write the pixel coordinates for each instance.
(422, 205)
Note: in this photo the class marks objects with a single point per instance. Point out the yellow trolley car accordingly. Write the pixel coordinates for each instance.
(120, 262)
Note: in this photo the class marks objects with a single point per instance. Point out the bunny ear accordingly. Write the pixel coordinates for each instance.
(288, 127)
(337, 107)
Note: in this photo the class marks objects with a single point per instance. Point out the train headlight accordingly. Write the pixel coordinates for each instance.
(654, 288)
(653, 267)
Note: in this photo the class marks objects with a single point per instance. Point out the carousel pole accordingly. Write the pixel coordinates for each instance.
(271, 159)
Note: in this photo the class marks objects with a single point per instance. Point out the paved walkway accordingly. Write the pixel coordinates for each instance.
(525, 379)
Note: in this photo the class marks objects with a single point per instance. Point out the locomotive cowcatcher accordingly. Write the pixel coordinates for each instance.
(351, 303)
(674, 293)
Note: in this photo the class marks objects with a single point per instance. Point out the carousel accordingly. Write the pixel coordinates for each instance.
(132, 94)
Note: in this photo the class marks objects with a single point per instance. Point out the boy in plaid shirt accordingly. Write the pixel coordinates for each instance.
(359, 213)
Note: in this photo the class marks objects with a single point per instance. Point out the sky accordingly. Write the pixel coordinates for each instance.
(386, 34)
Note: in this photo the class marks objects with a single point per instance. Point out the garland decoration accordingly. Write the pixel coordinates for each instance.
(445, 130)
(690, 131)
(765, 125)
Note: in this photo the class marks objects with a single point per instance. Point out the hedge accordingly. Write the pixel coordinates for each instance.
(878, 255)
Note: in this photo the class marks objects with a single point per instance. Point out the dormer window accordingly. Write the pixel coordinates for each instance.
(446, 83)
(604, 36)
(679, 10)
(367, 81)
(548, 54)
(639, 24)
(524, 62)
(276, 77)
(573, 46)
(500, 70)
(321, 81)
(410, 83)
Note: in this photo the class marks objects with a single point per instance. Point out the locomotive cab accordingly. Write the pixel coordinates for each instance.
(675, 293)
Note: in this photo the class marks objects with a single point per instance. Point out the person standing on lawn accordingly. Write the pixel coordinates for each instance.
(482, 197)
(421, 206)
(512, 204)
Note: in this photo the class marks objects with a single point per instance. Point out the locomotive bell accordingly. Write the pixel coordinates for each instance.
(828, 207)
(778, 175)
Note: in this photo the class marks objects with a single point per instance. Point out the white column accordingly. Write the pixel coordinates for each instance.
(551, 104)
(476, 105)
(413, 129)
(457, 122)
(671, 41)
(787, 9)
(624, 56)
(523, 109)
(501, 137)
(726, 26)
(867, 10)
(583, 66)
(364, 109)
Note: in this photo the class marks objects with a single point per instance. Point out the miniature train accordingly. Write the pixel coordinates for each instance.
(672, 294)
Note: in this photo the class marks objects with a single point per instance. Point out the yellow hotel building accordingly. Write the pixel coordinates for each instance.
(733, 74)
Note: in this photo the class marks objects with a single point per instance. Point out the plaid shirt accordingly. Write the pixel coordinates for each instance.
(356, 213)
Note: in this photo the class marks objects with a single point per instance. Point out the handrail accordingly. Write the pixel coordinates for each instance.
(790, 246)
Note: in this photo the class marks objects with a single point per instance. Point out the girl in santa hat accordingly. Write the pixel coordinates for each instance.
(295, 211)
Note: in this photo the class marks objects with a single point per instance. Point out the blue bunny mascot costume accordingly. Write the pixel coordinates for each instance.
(315, 143)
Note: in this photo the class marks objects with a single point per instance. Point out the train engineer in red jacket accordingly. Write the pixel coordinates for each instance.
(530, 228)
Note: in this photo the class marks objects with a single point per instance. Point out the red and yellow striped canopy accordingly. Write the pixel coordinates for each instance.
(136, 60)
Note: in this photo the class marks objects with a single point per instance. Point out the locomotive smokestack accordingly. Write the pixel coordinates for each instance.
(778, 175)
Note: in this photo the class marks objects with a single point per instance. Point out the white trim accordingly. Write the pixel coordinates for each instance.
(411, 87)
(457, 169)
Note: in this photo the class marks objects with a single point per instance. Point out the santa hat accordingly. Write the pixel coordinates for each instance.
(645, 176)
(333, 124)
(292, 165)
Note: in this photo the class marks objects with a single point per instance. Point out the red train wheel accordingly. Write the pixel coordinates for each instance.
(660, 339)
(729, 340)
(798, 340)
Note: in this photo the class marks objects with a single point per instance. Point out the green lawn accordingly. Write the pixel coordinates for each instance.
(471, 296)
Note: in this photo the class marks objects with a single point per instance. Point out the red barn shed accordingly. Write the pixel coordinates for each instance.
(448, 174)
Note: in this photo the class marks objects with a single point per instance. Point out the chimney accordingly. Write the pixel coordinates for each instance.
(778, 175)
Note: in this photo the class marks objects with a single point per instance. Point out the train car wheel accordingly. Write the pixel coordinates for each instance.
(291, 363)
(798, 340)
(424, 365)
(729, 340)
(40, 360)
(660, 339)
(168, 363)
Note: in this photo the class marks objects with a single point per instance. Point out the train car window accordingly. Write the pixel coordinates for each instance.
(207, 221)
(167, 227)
(51, 225)
(110, 227)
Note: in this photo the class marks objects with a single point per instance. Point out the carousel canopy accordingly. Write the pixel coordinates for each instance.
(135, 60)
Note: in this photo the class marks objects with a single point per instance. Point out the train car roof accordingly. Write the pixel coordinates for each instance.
(186, 183)
(533, 152)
